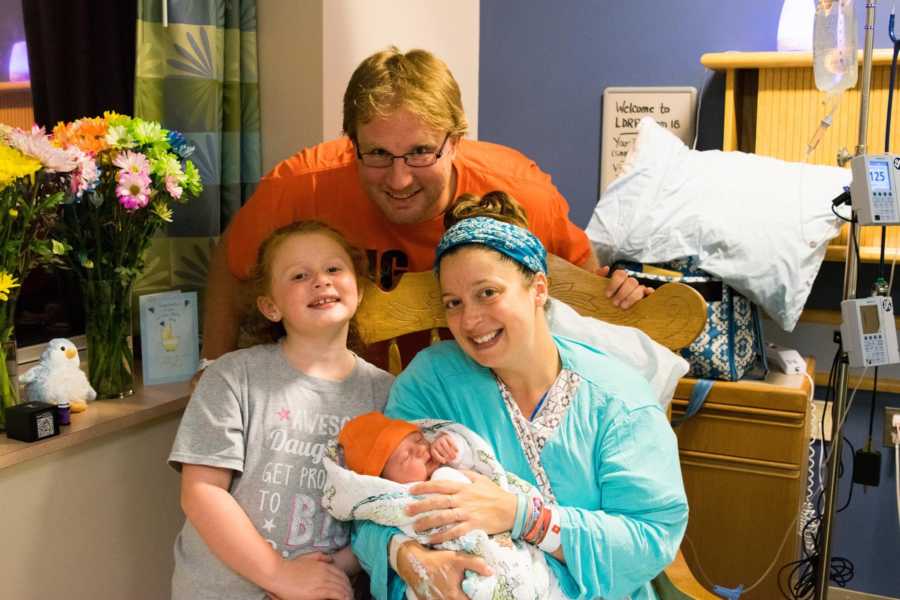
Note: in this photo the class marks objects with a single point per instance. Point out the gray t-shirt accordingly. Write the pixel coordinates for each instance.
(253, 413)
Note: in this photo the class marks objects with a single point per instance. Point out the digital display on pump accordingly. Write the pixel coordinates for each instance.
(869, 318)
(879, 176)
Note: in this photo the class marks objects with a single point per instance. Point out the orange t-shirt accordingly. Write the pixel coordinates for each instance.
(322, 183)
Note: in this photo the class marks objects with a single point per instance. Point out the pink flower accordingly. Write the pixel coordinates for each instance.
(132, 162)
(133, 190)
(172, 187)
(85, 178)
(38, 145)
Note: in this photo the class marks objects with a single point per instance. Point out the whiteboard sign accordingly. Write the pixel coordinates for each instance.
(624, 107)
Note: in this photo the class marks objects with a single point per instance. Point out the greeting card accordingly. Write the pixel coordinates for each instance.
(169, 340)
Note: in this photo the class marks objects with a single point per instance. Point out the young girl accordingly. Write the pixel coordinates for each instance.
(251, 441)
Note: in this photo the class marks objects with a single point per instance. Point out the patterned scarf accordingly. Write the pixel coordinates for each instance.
(511, 240)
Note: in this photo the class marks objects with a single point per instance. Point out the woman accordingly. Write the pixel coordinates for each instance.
(581, 426)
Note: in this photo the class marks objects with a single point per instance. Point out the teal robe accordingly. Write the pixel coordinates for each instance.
(612, 464)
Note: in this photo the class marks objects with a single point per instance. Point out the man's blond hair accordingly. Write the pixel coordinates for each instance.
(417, 81)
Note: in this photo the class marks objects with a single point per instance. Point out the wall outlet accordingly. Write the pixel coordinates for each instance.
(889, 412)
(815, 424)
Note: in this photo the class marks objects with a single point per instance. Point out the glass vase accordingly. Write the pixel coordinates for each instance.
(108, 331)
(9, 386)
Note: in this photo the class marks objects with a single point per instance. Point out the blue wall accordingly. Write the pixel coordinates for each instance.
(543, 69)
(544, 66)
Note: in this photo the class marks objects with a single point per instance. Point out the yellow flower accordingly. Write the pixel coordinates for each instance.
(14, 164)
(161, 210)
(7, 283)
(13, 213)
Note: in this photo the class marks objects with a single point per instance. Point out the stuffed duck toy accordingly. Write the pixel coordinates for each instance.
(57, 378)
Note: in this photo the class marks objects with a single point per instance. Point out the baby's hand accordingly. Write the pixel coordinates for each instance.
(443, 450)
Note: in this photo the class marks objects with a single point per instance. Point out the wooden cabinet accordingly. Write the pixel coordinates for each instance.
(15, 104)
(744, 462)
(772, 108)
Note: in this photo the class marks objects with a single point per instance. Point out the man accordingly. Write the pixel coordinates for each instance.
(386, 185)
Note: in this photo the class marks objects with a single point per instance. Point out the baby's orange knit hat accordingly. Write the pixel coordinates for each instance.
(370, 439)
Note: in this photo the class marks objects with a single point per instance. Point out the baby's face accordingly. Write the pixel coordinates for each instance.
(411, 461)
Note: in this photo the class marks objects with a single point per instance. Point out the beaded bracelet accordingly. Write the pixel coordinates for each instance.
(532, 534)
(537, 505)
(519, 519)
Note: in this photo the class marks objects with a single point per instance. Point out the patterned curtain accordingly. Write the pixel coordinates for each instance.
(196, 72)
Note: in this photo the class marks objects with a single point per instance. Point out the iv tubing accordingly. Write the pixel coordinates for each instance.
(850, 281)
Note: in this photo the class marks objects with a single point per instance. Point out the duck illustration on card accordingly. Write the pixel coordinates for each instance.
(169, 340)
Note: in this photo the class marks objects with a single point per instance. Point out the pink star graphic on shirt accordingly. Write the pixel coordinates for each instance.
(284, 414)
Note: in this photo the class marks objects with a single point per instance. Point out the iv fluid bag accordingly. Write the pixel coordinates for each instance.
(834, 45)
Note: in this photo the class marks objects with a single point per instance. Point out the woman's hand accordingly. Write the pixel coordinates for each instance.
(481, 504)
(437, 574)
(311, 577)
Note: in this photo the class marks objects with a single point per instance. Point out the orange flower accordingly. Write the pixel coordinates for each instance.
(61, 134)
(88, 134)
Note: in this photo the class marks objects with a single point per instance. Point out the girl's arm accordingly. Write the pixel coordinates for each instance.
(231, 536)
(346, 561)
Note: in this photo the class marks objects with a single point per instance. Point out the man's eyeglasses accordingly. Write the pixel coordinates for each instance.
(379, 159)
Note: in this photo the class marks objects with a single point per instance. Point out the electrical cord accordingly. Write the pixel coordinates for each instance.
(761, 578)
(797, 579)
(839, 215)
(808, 512)
(850, 493)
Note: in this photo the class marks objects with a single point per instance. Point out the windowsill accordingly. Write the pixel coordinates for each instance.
(102, 417)
(14, 86)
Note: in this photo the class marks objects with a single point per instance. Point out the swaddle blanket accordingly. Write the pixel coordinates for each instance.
(520, 570)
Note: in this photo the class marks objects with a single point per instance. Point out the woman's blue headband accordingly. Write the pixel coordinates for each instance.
(511, 240)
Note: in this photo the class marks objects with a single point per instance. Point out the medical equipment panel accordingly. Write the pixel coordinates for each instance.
(868, 331)
(873, 191)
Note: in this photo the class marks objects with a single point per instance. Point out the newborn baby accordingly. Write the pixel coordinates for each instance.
(396, 450)
(388, 456)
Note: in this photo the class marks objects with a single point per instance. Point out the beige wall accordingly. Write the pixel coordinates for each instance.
(309, 48)
(355, 29)
(289, 42)
(93, 522)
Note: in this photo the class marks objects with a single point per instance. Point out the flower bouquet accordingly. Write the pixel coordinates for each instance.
(141, 170)
(35, 178)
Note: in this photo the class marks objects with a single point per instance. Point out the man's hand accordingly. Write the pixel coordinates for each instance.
(443, 450)
(625, 291)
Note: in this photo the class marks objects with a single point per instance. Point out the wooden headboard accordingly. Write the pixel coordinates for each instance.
(674, 315)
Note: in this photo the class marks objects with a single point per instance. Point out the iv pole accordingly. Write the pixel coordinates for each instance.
(850, 282)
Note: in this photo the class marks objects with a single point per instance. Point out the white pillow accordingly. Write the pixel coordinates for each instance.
(661, 367)
(759, 223)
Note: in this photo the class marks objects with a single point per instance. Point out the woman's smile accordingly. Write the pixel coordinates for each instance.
(488, 340)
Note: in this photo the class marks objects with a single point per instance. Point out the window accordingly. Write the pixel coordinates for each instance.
(49, 304)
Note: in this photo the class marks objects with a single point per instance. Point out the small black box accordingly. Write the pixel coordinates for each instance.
(867, 467)
(31, 421)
